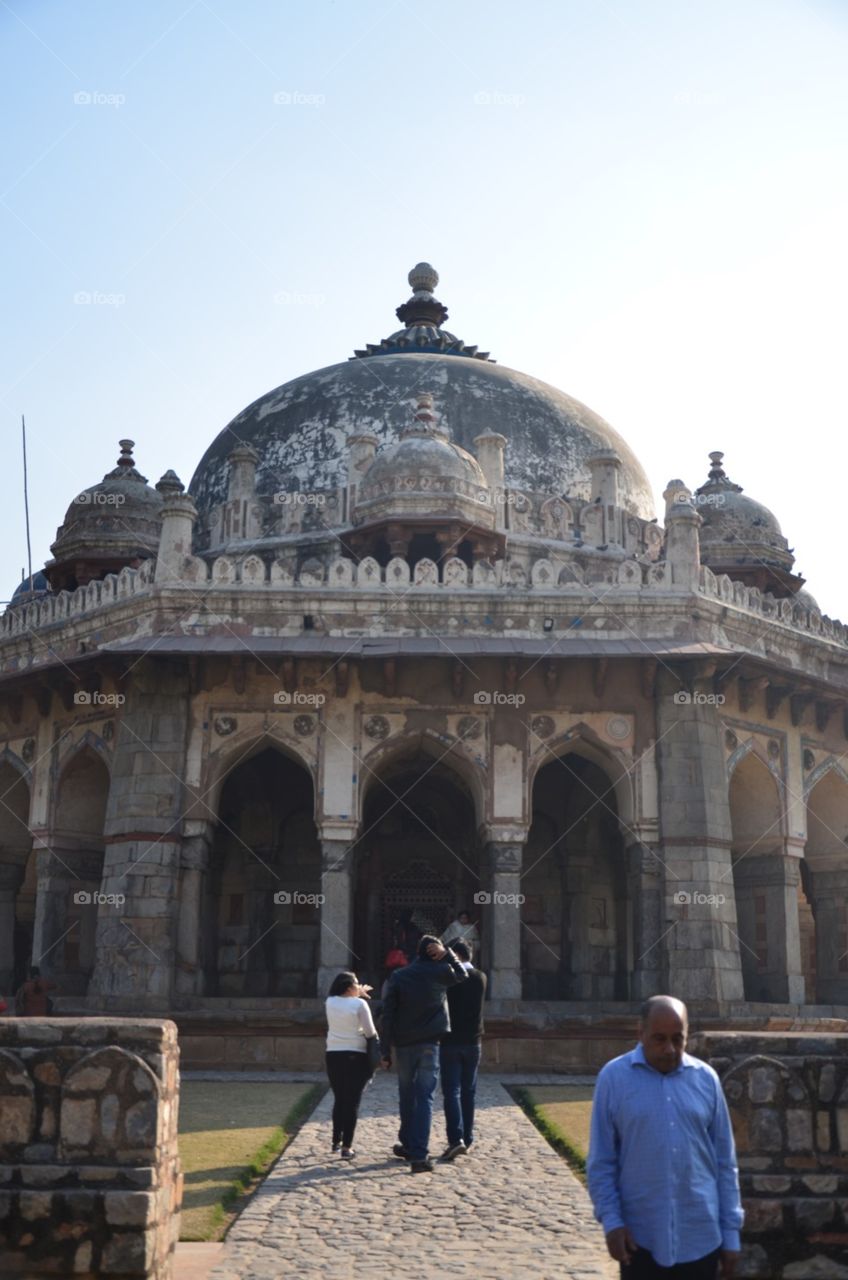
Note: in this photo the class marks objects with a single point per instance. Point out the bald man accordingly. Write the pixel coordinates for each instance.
(662, 1162)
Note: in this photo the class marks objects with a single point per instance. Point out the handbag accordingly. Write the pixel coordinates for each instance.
(395, 959)
(375, 1056)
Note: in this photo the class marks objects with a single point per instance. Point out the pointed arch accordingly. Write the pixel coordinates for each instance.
(441, 748)
(581, 740)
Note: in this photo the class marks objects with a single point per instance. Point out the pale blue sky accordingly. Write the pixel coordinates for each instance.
(644, 202)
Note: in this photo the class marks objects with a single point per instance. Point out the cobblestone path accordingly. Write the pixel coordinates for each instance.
(510, 1210)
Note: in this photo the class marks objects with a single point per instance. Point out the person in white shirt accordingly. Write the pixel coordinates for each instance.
(349, 1026)
(462, 929)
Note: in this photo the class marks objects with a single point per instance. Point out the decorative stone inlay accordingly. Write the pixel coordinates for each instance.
(542, 726)
(376, 727)
(618, 727)
(469, 727)
(224, 725)
(304, 725)
(774, 748)
(809, 759)
(28, 751)
(730, 740)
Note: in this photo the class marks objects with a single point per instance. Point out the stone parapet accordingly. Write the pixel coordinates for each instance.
(788, 1099)
(90, 1180)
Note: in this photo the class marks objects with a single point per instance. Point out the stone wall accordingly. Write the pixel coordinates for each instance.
(788, 1099)
(90, 1181)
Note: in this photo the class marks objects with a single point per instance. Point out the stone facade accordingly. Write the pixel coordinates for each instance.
(90, 1181)
(788, 1099)
(414, 686)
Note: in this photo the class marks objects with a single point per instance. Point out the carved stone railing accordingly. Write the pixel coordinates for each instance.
(255, 572)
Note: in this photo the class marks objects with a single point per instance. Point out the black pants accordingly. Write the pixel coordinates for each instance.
(349, 1073)
(643, 1267)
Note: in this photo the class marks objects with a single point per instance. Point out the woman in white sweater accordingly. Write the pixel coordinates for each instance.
(349, 1025)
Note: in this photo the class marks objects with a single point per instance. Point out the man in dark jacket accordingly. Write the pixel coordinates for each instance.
(460, 1055)
(415, 1017)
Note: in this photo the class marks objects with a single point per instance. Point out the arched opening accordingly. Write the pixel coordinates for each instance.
(16, 907)
(574, 917)
(759, 879)
(68, 886)
(826, 856)
(423, 546)
(262, 907)
(418, 858)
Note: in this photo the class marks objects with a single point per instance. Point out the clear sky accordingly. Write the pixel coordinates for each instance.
(644, 202)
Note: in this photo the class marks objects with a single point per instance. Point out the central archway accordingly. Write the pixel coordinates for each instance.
(418, 856)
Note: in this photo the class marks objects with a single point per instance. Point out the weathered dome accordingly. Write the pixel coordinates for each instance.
(30, 589)
(741, 537)
(301, 429)
(111, 524)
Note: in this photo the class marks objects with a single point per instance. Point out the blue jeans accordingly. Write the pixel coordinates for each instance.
(459, 1085)
(418, 1071)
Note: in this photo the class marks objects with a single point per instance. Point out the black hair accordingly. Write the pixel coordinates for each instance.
(424, 942)
(342, 983)
(461, 949)
(463, 912)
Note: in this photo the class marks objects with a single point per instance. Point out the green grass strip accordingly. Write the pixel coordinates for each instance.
(266, 1155)
(552, 1133)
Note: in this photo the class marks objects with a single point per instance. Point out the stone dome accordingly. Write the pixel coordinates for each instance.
(741, 537)
(34, 588)
(108, 525)
(301, 429)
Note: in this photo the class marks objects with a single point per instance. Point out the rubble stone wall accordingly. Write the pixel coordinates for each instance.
(90, 1180)
(788, 1099)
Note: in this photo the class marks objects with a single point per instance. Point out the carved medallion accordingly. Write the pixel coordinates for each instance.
(224, 725)
(469, 727)
(28, 751)
(809, 760)
(542, 726)
(618, 728)
(376, 727)
(730, 740)
(774, 748)
(304, 725)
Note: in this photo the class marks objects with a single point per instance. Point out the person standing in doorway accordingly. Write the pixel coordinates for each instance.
(349, 1027)
(662, 1168)
(32, 999)
(459, 1054)
(415, 1017)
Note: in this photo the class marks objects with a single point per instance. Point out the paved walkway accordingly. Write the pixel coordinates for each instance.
(510, 1210)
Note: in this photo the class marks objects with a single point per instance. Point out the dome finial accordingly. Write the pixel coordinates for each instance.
(425, 421)
(126, 459)
(717, 470)
(423, 278)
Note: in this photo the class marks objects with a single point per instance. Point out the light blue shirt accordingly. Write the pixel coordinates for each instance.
(662, 1161)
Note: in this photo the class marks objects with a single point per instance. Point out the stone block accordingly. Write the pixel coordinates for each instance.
(763, 1215)
(813, 1214)
(823, 1130)
(799, 1130)
(765, 1130)
(130, 1208)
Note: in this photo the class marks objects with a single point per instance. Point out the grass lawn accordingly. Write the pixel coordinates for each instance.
(562, 1112)
(230, 1134)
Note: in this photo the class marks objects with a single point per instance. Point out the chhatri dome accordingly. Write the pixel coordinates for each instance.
(301, 430)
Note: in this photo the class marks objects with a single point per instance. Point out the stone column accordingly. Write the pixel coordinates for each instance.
(55, 881)
(645, 906)
(830, 909)
(775, 877)
(136, 935)
(336, 944)
(701, 943)
(11, 879)
(577, 874)
(502, 918)
(194, 867)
